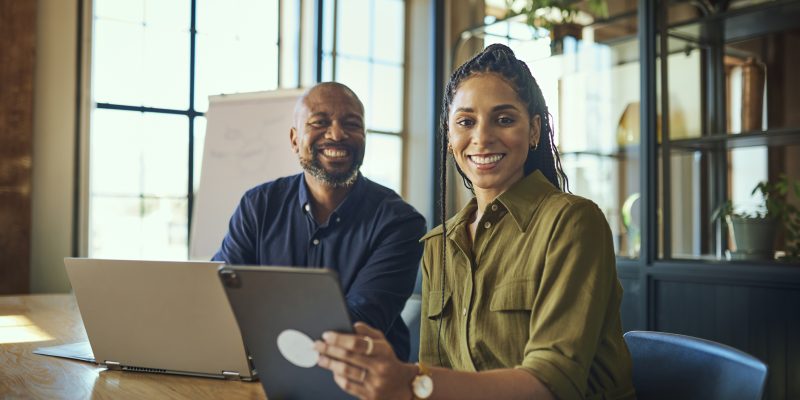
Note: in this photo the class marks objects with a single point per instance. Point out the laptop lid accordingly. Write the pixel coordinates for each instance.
(281, 311)
(158, 316)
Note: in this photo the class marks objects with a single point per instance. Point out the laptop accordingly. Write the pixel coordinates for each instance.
(281, 311)
(168, 317)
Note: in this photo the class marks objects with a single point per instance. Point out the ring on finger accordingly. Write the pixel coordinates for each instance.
(370, 345)
(363, 375)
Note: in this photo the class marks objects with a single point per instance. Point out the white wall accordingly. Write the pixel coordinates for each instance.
(53, 144)
(419, 104)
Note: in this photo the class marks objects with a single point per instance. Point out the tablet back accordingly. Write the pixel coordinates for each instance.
(280, 312)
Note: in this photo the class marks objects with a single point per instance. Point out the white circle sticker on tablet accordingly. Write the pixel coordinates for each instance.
(297, 348)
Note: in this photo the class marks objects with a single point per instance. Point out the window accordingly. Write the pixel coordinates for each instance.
(155, 62)
(363, 47)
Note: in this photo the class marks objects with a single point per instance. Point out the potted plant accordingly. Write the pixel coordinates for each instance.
(754, 233)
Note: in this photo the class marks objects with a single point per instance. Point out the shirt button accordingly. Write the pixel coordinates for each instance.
(494, 207)
(316, 242)
(307, 207)
(338, 219)
(487, 225)
(464, 311)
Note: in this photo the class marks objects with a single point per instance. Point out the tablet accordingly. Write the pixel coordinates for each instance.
(281, 311)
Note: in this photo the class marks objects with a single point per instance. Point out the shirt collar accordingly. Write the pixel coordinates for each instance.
(459, 219)
(348, 205)
(525, 196)
(521, 201)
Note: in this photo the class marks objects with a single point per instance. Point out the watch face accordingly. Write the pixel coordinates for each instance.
(423, 386)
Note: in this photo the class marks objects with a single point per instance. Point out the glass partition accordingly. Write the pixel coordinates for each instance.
(590, 81)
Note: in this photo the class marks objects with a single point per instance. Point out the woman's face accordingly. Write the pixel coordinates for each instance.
(490, 132)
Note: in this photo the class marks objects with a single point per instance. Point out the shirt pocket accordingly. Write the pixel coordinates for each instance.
(513, 296)
(436, 307)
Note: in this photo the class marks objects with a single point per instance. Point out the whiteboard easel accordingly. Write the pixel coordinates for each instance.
(247, 143)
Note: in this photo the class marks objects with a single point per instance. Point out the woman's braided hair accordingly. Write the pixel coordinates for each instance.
(500, 60)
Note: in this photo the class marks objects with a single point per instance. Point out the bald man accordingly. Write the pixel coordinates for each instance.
(332, 216)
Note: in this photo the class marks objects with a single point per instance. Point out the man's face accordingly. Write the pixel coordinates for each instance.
(329, 137)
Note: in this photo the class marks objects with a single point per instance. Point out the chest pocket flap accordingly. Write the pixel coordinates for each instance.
(510, 296)
(436, 307)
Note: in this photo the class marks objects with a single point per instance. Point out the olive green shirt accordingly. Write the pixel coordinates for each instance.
(537, 290)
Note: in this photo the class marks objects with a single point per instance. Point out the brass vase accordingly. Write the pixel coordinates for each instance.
(752, 95)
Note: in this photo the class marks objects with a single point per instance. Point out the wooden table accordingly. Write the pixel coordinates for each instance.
(32, 321)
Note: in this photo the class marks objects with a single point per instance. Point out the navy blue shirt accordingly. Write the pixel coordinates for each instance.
(371, 240)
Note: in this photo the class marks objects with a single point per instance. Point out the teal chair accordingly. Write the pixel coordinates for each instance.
(411, 315)
(671, 366)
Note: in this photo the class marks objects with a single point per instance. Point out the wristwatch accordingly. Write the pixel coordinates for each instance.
(422, 385)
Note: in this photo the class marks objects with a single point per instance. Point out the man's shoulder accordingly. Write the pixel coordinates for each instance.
(282, 186)
(279, 190)
(377, 191)
(384, 198)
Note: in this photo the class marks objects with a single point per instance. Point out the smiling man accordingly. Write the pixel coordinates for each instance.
(332, 216)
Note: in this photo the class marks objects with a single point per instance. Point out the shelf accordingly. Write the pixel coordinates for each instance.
(763, 273)
(614, 19)
(625, 152)
(617, 29)
(740, 24)
(773, 137)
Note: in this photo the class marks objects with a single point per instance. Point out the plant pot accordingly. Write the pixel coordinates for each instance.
(558, 32)
(562, 30)
(754, 238)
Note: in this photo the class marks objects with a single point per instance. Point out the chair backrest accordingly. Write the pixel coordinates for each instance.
(671, 366)
(411, 316)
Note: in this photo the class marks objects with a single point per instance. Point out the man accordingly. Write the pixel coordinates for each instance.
(332, 216)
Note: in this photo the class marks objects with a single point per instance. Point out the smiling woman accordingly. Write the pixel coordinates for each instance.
(490, 139)
(519, 287)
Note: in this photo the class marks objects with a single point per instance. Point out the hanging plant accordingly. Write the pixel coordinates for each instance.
(547, 14)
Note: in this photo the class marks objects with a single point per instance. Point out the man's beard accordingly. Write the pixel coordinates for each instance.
(345, 179)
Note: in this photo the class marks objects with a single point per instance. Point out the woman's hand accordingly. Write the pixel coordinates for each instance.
(364, 364)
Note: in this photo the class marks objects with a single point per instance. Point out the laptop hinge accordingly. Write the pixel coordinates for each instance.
(231, 375)
(113, 365)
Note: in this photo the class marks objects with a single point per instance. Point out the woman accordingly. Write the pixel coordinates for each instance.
(522, 299)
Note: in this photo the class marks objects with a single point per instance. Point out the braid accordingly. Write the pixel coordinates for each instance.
(443, 200)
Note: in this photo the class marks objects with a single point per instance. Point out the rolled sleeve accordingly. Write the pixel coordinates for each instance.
(238, 246)
(552, 370)
(570, 307)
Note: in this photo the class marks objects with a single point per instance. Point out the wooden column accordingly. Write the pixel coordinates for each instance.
(461, 15)
(17, 49)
